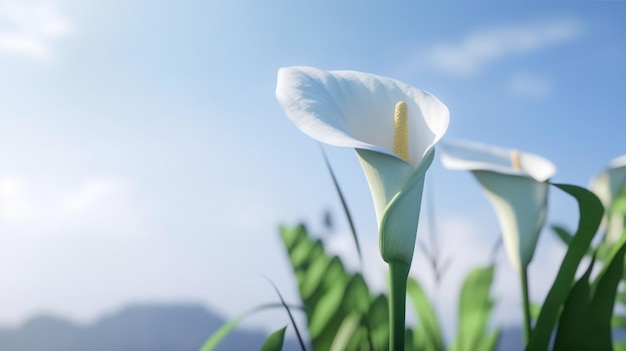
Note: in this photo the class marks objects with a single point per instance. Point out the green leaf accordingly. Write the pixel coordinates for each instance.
(535, 310)
(409, 343)
(353, 298)
(378, 321)
(619, 346)
(618, 322)
(571, 333)
(275, 341)
(291, 236)
(489, 341)
(563, 234)
(335, 276)
(293, 321)
(217, 337)
(326, 308)
(586, 320)
(591, 211)
(427, 333)
(604, 291)
(346, 331)
(475, 307)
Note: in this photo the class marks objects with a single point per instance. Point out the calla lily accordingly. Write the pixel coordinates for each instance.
(608, 186)
(392, 126)
(516, 183)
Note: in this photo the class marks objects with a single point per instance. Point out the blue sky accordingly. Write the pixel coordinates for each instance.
(144, 157)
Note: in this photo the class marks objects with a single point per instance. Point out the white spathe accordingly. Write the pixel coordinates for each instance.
(518, 192)
(607, 186)
(356, 110)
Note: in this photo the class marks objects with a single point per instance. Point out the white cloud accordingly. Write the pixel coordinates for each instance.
(530, 85)
(29, 28)
(13, 204)
(479, 49)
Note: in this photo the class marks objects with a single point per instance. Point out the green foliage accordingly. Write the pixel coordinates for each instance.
(275, 341)
(342, 314)
(335, 301)
(586, 319)
(427, 334)
(213, 341)
(591, 210)
(475, 307)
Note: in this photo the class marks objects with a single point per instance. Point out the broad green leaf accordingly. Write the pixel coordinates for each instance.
(217, 337)
(346, 331)
(326, 308)
(489, 341)
(315, 251)
(563, 234)
(378, 321)
(427, 333)
(409, 343)
(591, 211)
(291, 236)
(604, 291)
(475, 307)
(586, 319)
(618, 322)
(275, 341)
(335, 275)
(571, 332)
(619, 346)
(314, 276)
(354, 298)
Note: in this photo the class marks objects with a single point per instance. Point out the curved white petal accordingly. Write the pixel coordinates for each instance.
(607, 186)
(521, 205)
(355, 109)
(470, 156)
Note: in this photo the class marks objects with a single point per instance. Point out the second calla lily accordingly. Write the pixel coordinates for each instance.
(516, 184)
(392, 126)
(608, 186)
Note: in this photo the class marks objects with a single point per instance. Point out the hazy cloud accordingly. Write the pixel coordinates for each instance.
(530, 85)
(29, 28)
(479, 49)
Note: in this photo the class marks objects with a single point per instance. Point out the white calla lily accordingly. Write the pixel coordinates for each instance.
(607, 186)
(392, 126)
(516, 183)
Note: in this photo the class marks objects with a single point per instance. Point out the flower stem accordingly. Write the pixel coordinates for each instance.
(399, 273)
(526, 301)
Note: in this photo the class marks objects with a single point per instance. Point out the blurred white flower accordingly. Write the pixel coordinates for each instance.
(607, 186)
(516, 184)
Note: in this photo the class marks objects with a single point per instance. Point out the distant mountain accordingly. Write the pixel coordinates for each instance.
(136, 328)
(154, 328)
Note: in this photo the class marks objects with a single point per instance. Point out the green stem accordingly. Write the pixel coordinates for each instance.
(399, 273)
(526, 301)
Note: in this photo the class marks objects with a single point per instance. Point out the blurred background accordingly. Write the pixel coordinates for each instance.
(144, 159)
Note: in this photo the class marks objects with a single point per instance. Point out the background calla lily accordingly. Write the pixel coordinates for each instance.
(355, 109)
(516, 184)
(607, 186)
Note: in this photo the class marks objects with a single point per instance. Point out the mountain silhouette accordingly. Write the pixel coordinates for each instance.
(135, 328)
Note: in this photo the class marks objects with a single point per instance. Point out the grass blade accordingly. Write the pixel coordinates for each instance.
(211, 343)
(345, 206)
